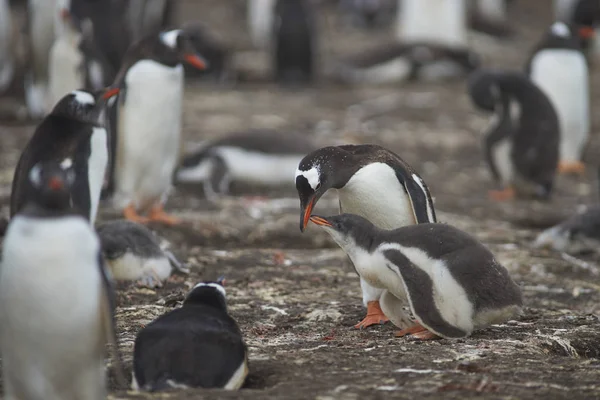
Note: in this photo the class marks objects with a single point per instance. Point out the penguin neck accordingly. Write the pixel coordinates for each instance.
(213, 300)
(433, 21)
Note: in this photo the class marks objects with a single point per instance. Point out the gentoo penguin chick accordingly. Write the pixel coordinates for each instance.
(40, 21)
(294, 42)
(202, 328)
(260, 157)
(132, 252)
(452, 283)
(521, 145)
(7, 67)
(373, 182)
(559, 68)
(72, 134)
(66, 69)
(260, 14)
(56, 301)
(489, 16)
(149, 123)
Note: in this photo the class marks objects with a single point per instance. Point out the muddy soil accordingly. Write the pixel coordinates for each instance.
(296, 296)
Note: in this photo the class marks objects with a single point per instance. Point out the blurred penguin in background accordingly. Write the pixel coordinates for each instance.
(368, 14)
(584, 18)
(260, 14)
(294, 42)
(213, 50)
(489, 17)
(7, 67)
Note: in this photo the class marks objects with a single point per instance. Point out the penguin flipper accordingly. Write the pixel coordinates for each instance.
(420, 199)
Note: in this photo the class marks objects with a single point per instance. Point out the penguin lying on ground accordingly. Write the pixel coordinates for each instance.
(559, 68)
(262, 157)
(578, 234)
(372, 182)
(132, 252)
(73, 134)
(147, 144)
(521, 146)
(197, 345)
(56, 301)
(452, 283)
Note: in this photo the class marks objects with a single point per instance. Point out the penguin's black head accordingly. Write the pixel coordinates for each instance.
(52, 182)
(208, 293)
(84, 105)
(178, 46)
(484, 89)
(318, 172)
(348, 230)
(563, 35)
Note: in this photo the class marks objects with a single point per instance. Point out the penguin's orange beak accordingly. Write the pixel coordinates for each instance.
(586, 32)
(110, 93)
(307, 211)
(195, 61)
(320, 221)
(55, 183)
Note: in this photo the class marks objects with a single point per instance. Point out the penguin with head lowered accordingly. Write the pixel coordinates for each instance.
(147, 144)
(73, 133)
(453, 283)
(521, 145)
(197, 345)
(133, 252)
(56, 301)
(373, 182)
(560, 69)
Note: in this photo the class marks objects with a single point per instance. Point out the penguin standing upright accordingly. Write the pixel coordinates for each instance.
(294, 42)
(521, 146)
(56, 301)
(7, 67)
(149, 123)
(559, 68)
(197, 345)
(372, 182)
(73, 132)
(453, 283)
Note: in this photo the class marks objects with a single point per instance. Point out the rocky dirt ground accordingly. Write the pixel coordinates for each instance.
(296, 296)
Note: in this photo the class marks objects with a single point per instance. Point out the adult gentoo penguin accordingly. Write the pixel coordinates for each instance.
(559, 68)
(256, 157)
(132, 252)
(372, 182)
(72, 134)
(149, 123)
(521, 145)
(294, 42)
(202, 328)
(56, 301)
(453, 283)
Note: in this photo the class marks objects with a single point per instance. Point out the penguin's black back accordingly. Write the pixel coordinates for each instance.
(122, 236)
(197, 345)
(55, 139)
(294, 53)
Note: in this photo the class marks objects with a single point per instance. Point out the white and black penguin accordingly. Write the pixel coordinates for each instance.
(256, 157)
(73, 134)
(521, 145)
(133, 253)
(56, 300)
(294, 42)
(196, 345)
(373, 182)
(559, 68)
(452, 282)
(7, 62)
(148, 132)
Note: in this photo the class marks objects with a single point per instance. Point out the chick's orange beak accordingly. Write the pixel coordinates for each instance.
(110, 93)
(195, 61)
(306, 215)
(320, 221)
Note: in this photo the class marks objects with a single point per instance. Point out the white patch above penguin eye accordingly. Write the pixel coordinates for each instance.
(220, 288)
(560, 29)
(170, 38)
(35, 175)
(66, 163)
(312, 176)
(83, 97)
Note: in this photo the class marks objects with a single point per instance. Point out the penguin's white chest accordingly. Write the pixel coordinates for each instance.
(563, 76)
(97, 168)
(149, 131)
(375, 193)
(65, 69)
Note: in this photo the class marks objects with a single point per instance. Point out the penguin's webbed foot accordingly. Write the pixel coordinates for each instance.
(409, 331)
(374, 316)
(131, 214)
(158, 214)
(505, 194)
(417, 332)
(571, 167)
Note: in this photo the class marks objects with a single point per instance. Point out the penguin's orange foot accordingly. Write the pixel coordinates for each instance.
(571, 167)
(374, 316)
(158, 214)
(409, 331)
(502, 195)
(425, 335)
(131, 214)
